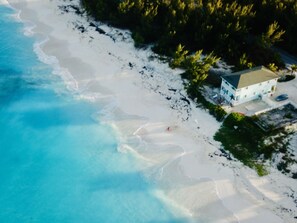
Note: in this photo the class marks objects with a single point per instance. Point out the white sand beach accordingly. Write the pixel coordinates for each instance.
(144, 100)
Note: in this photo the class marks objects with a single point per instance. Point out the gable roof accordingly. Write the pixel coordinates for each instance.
(249, 77)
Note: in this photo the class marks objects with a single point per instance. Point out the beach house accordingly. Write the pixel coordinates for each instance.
(247, 85)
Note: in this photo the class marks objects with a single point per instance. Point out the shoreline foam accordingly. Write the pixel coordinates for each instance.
(181, 161)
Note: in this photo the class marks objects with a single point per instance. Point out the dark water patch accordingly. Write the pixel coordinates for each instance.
(119, 182)
(73, 114)
(11, 87)
(14, 85)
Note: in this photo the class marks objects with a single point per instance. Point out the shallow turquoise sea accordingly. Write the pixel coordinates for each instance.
(57, 164)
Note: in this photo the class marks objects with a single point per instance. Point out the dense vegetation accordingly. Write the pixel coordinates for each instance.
(241, 32)
(252, 146)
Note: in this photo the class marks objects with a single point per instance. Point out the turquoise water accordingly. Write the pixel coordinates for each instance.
(57, 163)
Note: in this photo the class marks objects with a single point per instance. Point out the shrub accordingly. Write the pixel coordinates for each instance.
(138, 39)
(233, 119)
(260, 168)
(218, 112)
(286, 78)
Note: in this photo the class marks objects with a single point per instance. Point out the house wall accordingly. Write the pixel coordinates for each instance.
(227, 90)
(252, 92)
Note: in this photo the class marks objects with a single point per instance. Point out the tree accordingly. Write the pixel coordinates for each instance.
(272, 35)
(272, 67)
(179, 57)
(196, 65)
(197, 68)
(244, 63)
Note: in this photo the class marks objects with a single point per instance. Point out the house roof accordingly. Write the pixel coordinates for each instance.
(249, 77)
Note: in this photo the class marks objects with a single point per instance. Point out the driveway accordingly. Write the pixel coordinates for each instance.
(258, 106)
(289, 87)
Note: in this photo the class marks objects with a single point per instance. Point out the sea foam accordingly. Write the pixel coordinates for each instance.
(58, 162)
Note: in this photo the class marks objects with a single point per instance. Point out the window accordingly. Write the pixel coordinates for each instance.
(224, 90)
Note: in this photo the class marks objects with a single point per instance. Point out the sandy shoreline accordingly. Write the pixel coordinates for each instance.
(141, 98)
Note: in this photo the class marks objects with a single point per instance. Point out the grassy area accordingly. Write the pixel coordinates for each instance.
(238, 134)
(248, 143)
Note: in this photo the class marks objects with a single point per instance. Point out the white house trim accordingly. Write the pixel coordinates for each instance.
(247, 85)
